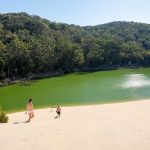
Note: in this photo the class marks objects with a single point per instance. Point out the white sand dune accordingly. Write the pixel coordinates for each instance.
(121, 126)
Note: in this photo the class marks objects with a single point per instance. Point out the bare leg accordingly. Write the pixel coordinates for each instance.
(30, 116)
(58, 114)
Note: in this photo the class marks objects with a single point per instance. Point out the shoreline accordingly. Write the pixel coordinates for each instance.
(59, 73)
(78, 105)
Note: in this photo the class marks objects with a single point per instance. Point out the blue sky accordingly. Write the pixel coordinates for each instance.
(82, 12)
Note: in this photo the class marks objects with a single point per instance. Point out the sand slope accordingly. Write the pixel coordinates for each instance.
(122, 126)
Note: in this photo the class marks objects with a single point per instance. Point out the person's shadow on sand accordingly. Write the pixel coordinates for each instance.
(56, 117)
(19, 122)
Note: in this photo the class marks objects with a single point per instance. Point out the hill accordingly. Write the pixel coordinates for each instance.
(33, 45)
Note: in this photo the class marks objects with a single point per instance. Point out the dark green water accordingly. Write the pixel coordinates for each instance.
(79, 89)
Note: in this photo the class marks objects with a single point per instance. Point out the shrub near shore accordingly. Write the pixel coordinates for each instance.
(3, 118)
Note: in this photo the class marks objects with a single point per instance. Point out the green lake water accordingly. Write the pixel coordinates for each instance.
(78, 89)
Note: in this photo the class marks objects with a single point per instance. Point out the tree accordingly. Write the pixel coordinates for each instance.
(2, 59)
(32, 45)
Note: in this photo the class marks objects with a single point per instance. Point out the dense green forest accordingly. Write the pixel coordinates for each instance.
(33, 45)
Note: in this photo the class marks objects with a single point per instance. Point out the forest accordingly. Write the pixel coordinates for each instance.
(31, 45)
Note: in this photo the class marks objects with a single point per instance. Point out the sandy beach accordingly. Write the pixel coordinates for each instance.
(120, 126)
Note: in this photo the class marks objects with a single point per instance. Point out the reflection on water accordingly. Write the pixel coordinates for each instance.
(78, 89)
(135, 81)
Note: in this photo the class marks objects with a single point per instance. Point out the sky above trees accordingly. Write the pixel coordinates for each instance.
(82, 12)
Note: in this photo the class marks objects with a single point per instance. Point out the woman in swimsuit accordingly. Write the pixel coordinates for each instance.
(30, 110)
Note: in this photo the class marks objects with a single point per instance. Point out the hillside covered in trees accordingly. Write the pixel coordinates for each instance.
(33, 45)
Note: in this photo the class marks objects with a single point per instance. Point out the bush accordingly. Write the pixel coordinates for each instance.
(3, 118)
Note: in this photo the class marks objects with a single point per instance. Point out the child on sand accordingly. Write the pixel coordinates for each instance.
(58, 111)
(30, 110)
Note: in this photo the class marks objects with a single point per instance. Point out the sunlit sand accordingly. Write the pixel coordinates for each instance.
(121, 126)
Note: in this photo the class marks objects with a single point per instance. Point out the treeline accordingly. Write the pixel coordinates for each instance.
(32, 45)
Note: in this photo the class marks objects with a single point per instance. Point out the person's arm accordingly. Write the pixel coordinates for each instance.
(32, 106)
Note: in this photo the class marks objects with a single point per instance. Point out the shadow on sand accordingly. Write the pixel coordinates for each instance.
(19, 122)
(56, 117)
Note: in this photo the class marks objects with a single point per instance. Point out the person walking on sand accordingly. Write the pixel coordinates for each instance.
(30, 110)
(58, 111)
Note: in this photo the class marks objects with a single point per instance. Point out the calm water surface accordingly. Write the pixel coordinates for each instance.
(79, 89)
